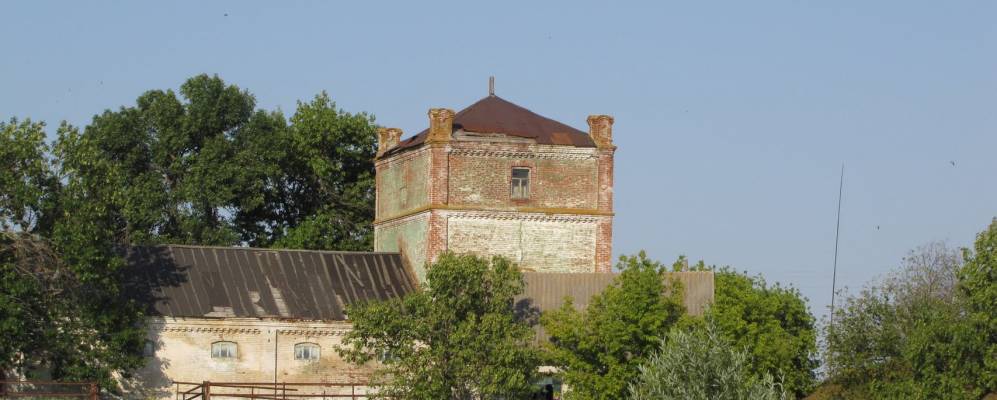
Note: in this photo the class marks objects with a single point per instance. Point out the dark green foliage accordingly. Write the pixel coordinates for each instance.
(328, 196)
(458, 338)
(28, 185)
(60, 319)
(208, 168)
(978, 286)
(201, 166)
(599, 349)
(772, 323)
(915, 335)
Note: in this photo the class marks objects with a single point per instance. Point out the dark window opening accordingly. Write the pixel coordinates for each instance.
(520, 183)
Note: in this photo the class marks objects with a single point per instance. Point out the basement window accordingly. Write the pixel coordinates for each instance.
(223, 350)
(306, 352)
(520, 183)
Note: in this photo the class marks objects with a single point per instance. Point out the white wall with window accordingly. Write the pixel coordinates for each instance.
(307, 352)
(224, 350)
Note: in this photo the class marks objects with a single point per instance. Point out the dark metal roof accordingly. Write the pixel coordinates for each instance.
(546, 291)
(200, 281)
(494, 114)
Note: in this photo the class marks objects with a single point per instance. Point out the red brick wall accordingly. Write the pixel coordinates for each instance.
(565, 225)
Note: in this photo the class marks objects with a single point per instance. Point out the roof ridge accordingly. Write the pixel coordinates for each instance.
(247, 248)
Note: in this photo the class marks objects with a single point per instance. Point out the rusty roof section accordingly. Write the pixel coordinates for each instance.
(494, 114)
(239, 282)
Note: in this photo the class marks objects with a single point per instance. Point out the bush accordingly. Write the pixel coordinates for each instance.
(701, 364)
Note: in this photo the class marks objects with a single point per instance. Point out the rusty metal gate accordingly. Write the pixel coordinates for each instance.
(270, 391)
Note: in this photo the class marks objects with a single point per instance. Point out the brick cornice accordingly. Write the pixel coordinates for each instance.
(504, 211)
(212, 329)
(534, 154)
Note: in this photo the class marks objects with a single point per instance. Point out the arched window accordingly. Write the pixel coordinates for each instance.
(223, 350)
(306, 352)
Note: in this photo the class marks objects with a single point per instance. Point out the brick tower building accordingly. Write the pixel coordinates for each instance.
(498, 179)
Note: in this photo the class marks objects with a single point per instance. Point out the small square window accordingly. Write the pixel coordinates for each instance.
(520, 183)
(149, 349)
(306, 352)
(223, 350)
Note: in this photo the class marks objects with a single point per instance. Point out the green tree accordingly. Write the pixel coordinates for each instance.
(598, 350)
(207, 167)
(701, 364)
(978, 286)
(163, 170)
(28, 185)
(907, 336)
(326, 201)
(457, 338)
(772, 323)
(53, 322)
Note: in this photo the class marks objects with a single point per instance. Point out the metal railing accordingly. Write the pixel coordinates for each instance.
(271, 391)
(49, 389)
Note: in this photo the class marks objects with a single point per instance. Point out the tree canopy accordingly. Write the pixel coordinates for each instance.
(772, 323)
(916, 334)
(701, 364)
(202, 166)
(457, 338)
(206, 167)
(599, 349)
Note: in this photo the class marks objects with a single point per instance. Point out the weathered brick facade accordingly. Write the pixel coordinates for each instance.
(452, 191)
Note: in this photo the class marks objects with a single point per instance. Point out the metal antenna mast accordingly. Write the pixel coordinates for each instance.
(837, 229)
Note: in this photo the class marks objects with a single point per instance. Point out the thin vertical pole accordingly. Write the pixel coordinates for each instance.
(206, 390)
(837, 230)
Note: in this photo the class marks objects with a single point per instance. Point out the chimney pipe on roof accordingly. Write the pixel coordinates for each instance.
(387, 139)
(491, 85)
(601, 131)
(440, 125)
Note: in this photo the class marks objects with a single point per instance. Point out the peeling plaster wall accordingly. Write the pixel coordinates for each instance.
(536, 242)
(409, 236)
(183, 354)
(402, 184)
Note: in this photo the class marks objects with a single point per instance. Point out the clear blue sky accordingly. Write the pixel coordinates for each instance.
(732, 119)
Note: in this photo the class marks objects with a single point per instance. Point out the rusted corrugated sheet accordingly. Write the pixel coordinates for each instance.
(547, 291)
(494, 114)
(200, 281)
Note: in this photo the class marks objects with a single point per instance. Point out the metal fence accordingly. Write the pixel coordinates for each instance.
(49, 390)
(270, 391)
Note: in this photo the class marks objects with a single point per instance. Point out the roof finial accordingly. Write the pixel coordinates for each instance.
(491, 85)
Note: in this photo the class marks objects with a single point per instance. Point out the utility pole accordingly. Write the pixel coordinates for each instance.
(837, 230)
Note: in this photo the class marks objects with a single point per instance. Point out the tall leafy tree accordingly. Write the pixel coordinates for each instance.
(29, 186)
(163, 170)
(57, 322)
(910, 335)
(204, 166)
(598, 350)
(322, 194)
(458, 338)
(771, 322)
(978, 286)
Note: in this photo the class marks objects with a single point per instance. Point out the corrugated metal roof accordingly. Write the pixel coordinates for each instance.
(201, 281)
(547, 291)
(494, 114)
